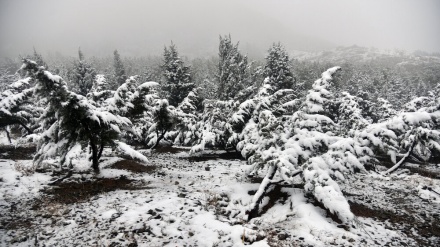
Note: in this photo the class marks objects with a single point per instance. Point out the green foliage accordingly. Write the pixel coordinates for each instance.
(232, 69)
(177, 76)
(83, 75)
(119, 71)
(278, 68)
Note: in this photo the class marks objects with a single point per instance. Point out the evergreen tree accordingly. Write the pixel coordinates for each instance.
(16, 107)
(119, 71)
(99, 92)
(232, 69)
(164, 120)
(188, 119)
(350, 117)
(144, 101)
(83, 75)
(305, 145)
(38, 58)
(177, 76)
(278, 68)
(71, 123)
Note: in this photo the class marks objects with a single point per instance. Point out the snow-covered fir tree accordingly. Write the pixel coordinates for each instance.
(38, 58)
(215, 127)
(71, 123)
(350, 118)
(384, 109)
(187, 130)
(278, 68)
(119, 70)
(303, 145)
(83, 75)
(144, 101)
(177, 75)
(120, 102)
(164, 120)
(232, 69)
(16, 107)
(100, 92)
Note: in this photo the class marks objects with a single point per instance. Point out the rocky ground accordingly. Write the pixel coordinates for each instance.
(182, 200)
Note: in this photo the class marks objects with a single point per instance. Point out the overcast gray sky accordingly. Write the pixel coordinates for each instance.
(137, 28)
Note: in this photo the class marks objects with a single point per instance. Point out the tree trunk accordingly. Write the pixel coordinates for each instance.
(259, 195)
(159, 139)
(7, 135)
(101, 148)
(95, 159)
(25, 127)
(404, 159)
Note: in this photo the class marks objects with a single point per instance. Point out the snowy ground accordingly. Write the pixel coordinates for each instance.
(177, 200)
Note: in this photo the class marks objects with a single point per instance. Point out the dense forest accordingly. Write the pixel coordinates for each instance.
(299, 120)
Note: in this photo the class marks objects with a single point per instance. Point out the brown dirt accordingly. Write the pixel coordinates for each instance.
(133, 166)
(71, 192)
(17, 153)
(424, 229)
(170, 149)
(223, 156)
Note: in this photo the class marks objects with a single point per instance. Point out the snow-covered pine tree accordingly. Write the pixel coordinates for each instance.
(38, 58)
(279, 102)
(99, 92)
(119, 71)
(411, 136)
(71, 123)
(144, 101)
(177, 76)
(83, 75)
(232, 69)
(187, 130)
(350, 117)
(384, 109)
(214, 126)
(304, 145)
(120, 102)
(164, 117)
(16, 107)
(6, 78)
(278, 68)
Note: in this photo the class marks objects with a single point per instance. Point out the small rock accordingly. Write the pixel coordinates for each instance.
(282, 236)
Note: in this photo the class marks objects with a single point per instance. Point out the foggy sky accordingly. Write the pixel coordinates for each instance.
(141, 28)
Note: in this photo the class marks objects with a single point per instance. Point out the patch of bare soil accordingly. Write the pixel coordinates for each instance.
(170, 149)
(223, 156)
(425, 228)
(17, 153)
(78, 191)
(133, 166)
